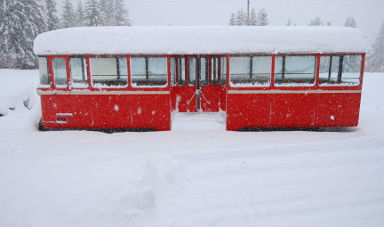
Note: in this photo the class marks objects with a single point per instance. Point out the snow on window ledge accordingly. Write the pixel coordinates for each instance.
(339, 84)
(294, 84)
(149, 86)
(249, 84)
(108, 86)
(79, 85)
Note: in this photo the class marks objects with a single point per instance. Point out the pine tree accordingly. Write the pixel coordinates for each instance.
(79, 15)
(93, 15)
(232, 21)
(120, 14)
(2, 6)
(350, 22)
(316, 22)
(238, 18)
(103, 10)
(252, 18)
(22, 21)
(262, 18)
(107, 9)
(3, 56)
(376, 58)
(289, 23)
(51, 14)
(241, 18)
(68, 16)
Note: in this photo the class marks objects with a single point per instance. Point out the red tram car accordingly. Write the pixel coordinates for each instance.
(135, 77)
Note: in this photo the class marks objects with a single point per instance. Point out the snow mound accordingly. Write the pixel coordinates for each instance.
(18, 92)
(200, 40)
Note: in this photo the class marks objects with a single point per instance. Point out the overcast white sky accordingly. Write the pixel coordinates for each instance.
(369, 14)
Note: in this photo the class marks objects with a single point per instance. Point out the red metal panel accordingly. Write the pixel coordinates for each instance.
(338, 110)
(183, 99)
(292, 110)
(223, 98)
(129, 71)
(248, 111)
(211, 101)
(107, 111)
(362, 69)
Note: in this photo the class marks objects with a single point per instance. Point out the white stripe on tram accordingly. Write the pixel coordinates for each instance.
(291, 91)
(104, 92)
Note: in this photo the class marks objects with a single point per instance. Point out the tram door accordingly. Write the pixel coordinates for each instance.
(199, 90)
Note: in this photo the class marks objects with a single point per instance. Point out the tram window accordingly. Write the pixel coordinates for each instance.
(351, 69)
(149, 71)
(340, 70)
(78, 67)
(215, 70)
(181, 71)
(295, 70)
(123, 69)
(192, 71)
(240, 68)
(223, 71)
(173, 72)
(43, 70)
(107, 71)
(204, 72)
(138, 69)
(250, 71)
(177, 71)
(329, 69)
(59, 72)
(261, 70)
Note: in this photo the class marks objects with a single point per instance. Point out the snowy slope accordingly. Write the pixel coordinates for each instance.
(195, 175)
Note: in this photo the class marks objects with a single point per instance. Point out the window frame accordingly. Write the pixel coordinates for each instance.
(178, 70)
(224, 74)
(47, 72)
(251, 72)
(214, 62)
(167, 65)
(188, 80)
(84, 68)
(52, 59)
(204, 79)
(219, 72)
(293, 84)
(340, 71)
(181, 60)
(118, 71)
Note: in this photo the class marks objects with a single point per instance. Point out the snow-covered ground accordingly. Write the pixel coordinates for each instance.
(198, 174)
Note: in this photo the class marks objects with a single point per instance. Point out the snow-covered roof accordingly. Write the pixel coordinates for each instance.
(200, 40)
